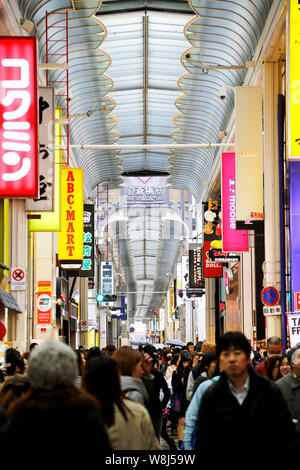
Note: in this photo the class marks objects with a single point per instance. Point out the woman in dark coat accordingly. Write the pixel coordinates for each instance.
(179, 384)
(55, 416)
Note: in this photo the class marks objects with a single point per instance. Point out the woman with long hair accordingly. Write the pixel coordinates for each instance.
(128, 422)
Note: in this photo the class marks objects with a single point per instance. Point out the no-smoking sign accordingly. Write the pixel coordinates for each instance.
(18, 279)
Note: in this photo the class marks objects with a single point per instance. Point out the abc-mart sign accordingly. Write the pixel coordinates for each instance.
(19, 118)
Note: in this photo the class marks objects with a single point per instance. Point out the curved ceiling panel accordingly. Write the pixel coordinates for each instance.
(90, 121)
(224, 33)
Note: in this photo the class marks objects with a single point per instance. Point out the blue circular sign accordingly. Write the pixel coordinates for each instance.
(131, 329)
(269, 296)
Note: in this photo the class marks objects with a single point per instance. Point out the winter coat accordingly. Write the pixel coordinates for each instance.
(59, 420)
(135, 389)
(136, 433)
(290, 389)
(229, 427)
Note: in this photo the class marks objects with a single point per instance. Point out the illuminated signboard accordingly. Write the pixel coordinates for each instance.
(70, 239)
(294, 81)
(44, 302)
(19, 118)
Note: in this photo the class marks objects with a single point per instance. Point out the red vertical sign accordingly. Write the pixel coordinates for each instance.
(19, 118)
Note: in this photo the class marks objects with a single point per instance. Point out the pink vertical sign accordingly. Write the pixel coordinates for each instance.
(233, 240)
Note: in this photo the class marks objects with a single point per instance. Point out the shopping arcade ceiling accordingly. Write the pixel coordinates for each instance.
(141, 45)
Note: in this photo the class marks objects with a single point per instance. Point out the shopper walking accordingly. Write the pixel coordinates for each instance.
(128, 422)
(274, 348)
(240, 403)
(290, 386)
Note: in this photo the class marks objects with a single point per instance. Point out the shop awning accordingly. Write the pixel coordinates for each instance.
(9, 301)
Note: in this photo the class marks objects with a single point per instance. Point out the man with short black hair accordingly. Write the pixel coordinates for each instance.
(274, 348)
(240, 403)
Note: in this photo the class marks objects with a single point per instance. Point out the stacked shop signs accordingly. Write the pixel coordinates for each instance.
(196, 279)
(45, 200)
(249, 163)
(233, 240)
(212, 239)
(19, 118)
(70, 239)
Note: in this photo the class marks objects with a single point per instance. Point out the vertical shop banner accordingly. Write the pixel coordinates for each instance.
(210, 268)
(44, 303)
(88, 266)
(294, 329)
(51, 221)
(295, 229)
(232, 239)
(294, 81)
(19, 118)
(45, 201)
(249, 158)
(107, 278)
(70, 239)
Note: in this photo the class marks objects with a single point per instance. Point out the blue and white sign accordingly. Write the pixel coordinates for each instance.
(107, 278)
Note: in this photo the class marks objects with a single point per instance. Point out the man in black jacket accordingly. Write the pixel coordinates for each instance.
(241, 404)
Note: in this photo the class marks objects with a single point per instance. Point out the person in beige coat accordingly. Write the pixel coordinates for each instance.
(128, 422)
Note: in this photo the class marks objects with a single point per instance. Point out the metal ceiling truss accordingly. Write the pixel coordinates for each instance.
(222, 34)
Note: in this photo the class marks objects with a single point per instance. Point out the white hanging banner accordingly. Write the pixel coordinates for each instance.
(45, 201)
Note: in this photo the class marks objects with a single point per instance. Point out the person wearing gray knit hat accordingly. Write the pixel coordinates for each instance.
(51, 365)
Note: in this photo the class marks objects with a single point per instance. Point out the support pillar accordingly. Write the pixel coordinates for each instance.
(272, 88)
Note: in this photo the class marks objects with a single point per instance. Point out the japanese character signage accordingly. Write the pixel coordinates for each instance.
(19, 118)
(51, 221)
(87, 268)
(232, 239)
(44, 302)
(45, 201)
(294, 81)
(70, 239)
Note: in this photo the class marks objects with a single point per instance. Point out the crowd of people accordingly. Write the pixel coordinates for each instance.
(203, 397)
